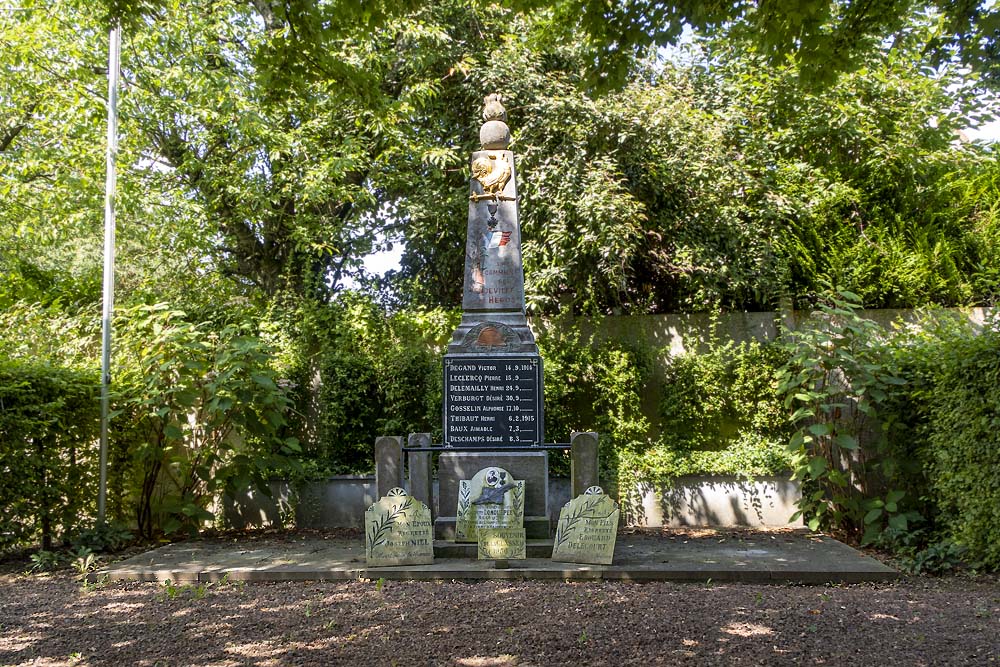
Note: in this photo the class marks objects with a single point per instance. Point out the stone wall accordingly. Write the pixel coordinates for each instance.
(715, 501)
(672, 335)
(678, 333)
(340, 502)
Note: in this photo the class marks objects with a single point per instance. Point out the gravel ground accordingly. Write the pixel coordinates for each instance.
(50, 620)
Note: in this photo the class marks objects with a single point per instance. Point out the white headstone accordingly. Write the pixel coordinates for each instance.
(398, 531)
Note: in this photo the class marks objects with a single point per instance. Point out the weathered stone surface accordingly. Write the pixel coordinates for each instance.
(494, 134)
(491, 499)
(398, 531)
(797, 557)
(388, 464)
(502, 544)
(583, 465)
(494, 272)
(532, 467)
(493, 332)
(418, 466)
(587, 529)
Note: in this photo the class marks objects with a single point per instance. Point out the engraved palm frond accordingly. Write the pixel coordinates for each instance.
(590, 506)
(584, 510)
(517, 498)
(559, 535)
(464, 500)
(379, 533)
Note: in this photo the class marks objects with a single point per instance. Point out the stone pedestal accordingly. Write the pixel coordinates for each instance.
(583, 465)
(532, 467)
(388, 464)
(418, 466)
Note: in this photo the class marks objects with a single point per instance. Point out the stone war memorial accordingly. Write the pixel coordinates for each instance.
(477, 504)
(492, 466)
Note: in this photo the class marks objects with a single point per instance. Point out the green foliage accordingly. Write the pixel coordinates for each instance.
(864, 182)
(170, 591)
(46, 561)
(52, 334)
(597, 386)
(48, 422)
(276, 163)
(84, 561)
(919, 551)
(823, 38)
(965, 467)
(199, 411)
(723, 395)
(835, 383)
(102, 537)
(604, 386)
(358, 373)
(720, 414)
(714, 178)
(949, 410)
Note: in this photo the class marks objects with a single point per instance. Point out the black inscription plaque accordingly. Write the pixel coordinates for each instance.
(493, 401)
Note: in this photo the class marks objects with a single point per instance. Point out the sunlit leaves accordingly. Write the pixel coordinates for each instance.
(199, 413)
(836, 380)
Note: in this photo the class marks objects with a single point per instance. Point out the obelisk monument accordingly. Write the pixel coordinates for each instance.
(493, 396)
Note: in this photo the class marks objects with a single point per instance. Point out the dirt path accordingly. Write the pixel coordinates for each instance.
(48, 620)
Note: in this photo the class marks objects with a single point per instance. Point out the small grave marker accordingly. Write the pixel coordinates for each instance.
(502, 544)
(491, 499)
(398, 531)
(588, 526)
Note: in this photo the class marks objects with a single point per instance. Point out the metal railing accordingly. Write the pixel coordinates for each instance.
(487, 448)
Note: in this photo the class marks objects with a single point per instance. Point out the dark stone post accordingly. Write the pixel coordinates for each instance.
(583, 462)
(388, 464)
(419, 465)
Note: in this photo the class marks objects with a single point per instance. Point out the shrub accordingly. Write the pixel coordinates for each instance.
(199, 411)
(596, 386)
(49, 422)
(720, 414)
(951, 414)
(360, 373)
(725, 395)
(838, 377)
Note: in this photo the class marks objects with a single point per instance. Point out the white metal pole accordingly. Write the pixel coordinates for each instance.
(114, 60)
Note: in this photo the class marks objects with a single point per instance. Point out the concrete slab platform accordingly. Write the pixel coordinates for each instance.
(780, 557)
(446, 549)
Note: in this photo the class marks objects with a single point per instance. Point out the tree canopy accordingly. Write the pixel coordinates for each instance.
(269, 147)
(823, 36)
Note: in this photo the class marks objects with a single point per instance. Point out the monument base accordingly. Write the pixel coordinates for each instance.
(491, 332)
(532, 467)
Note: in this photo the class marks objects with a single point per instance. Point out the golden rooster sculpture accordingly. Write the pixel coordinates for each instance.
(493, 173)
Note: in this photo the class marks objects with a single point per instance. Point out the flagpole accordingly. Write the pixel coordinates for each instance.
(114, 67)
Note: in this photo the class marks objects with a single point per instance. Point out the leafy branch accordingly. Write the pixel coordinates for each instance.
(836, 382)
